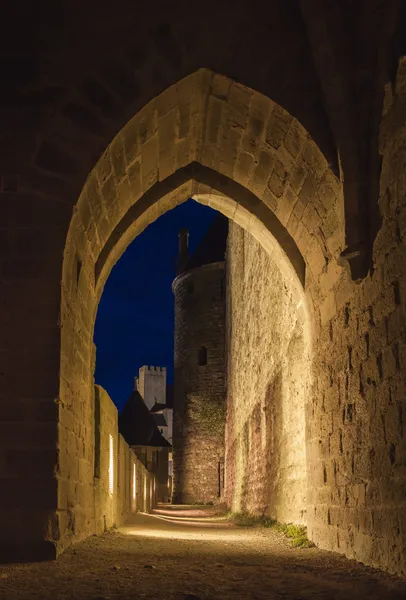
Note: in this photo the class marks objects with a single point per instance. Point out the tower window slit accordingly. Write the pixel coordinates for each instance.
(202, 356)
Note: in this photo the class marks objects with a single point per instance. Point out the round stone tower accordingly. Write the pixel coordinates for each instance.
(199, 379)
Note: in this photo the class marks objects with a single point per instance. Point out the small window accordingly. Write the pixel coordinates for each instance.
(190, 288)
(134, 482)
(111, 464)
(202, 357)
(78, 265)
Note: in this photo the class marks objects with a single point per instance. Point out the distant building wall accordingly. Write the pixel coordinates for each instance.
(168, 414)
(122, 484)
(199, 384)
(156, 460)
(151, 384)
(166, 430)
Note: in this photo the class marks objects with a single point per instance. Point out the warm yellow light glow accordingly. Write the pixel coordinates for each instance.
(134, 481)
(212, 530)
(111, 464)
(145, 493)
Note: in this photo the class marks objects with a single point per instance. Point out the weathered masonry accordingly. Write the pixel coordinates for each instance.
(200, 360)
(302, 149)
(122, 483)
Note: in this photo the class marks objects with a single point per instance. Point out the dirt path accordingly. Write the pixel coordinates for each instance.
(184, 554)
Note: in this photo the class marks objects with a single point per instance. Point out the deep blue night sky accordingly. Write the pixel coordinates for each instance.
(135, 319)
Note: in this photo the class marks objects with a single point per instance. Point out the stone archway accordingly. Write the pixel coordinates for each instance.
(222, 144)
(63, 111)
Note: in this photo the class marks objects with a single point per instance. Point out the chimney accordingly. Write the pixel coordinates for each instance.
(183, 255)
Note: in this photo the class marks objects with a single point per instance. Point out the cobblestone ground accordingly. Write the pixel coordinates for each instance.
(187, 554)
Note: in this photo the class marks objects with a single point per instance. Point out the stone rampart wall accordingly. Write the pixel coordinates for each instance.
(268, 381)
(115, 494)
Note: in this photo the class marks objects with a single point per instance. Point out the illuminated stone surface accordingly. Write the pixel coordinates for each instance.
(200, 367)
(268, 385)
(63, 108)
(199, 389)
(210, 558)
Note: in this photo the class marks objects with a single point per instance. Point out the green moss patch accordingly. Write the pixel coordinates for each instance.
(297, 534)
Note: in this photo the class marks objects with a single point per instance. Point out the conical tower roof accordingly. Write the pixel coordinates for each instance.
(212, 248)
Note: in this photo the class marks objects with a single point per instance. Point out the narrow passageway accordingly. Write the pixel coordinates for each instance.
(179, 553)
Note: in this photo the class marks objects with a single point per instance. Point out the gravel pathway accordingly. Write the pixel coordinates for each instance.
(189, 554)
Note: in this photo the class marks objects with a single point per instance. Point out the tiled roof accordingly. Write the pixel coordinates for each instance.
(137, 425)
(160, 420)
(212, 248)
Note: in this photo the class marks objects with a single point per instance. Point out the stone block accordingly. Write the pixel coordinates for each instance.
(104, 167)
(243, 168)
(149, 163)
(316, 258)
(184, 120)
(184, 153)
(229, 148)
(259, 110)
(131, 140)
(328, 309)
(295, 138)
(285, 205)
(278, 179)
(134, 177)
(147, 124)
(262, 172)
(220, 86)
(311, 218)
(167, 126)
(214, 120)
(278, 126)
(118, 158)
(313, 156)
(166, 101)
(239, 100)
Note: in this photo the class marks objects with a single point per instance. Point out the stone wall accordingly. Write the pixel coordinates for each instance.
(199, 390)
(224, 144)
(268, 379)
(357, 441)
(354, 409)
(354, 401)
(156, 461)
(115, 496)
(151, 384)
(245, 150)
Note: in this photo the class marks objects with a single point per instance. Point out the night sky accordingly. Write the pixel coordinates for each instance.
(135, 319)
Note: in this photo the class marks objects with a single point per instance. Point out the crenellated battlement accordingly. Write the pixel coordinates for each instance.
(152, 369)
(151, 384)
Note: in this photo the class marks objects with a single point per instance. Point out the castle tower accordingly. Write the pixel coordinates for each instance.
(151, 384)
(199, 377)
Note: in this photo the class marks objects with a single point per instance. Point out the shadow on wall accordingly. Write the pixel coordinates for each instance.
(274, 480)
(285, 434)
(269, 374)
(273, 428)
